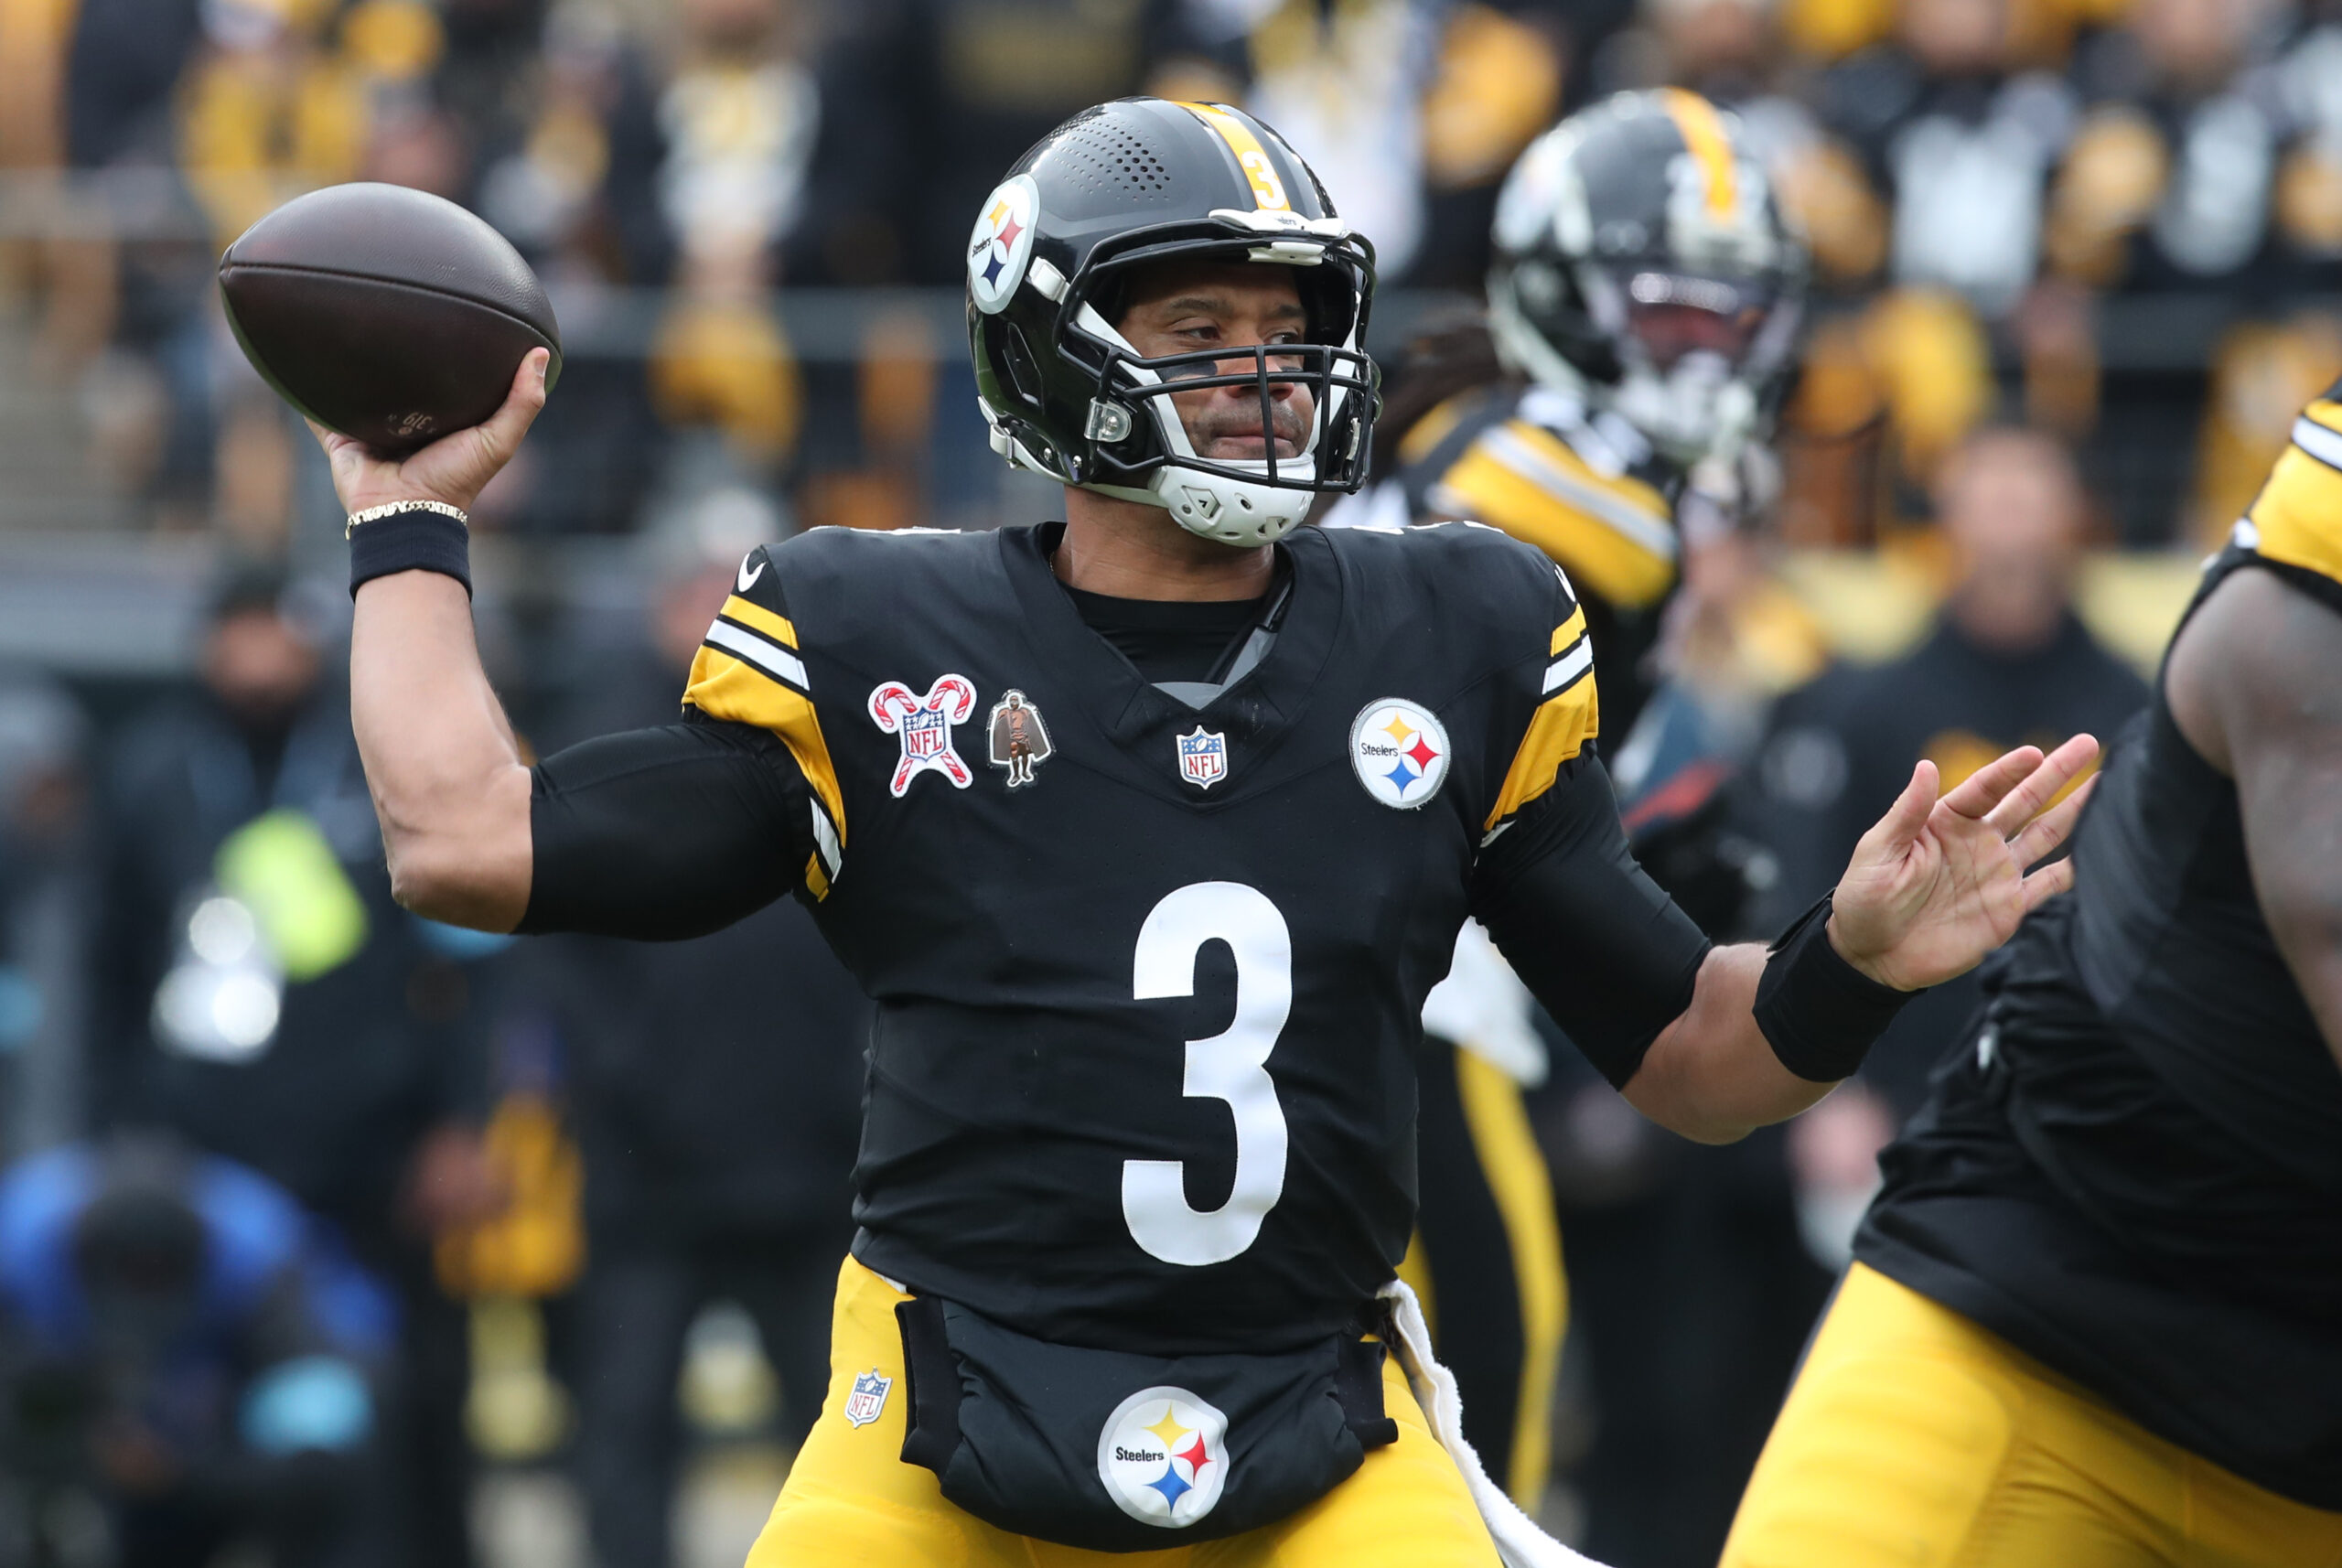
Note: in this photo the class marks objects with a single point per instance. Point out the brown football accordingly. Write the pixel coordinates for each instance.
(385, 312)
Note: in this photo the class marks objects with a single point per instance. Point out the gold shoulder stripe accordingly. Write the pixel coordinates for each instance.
(1432, 429)
(1704, 135)
(751, 613)
(1613, 535)
(1563, 723)
(724, 687)
(1568, 632)
(1268, 190)
(2326, 411)
(2298, 514)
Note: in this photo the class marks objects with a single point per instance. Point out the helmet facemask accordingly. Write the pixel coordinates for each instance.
(1694, 351)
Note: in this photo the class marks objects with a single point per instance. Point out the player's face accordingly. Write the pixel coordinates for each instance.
(1188, 307)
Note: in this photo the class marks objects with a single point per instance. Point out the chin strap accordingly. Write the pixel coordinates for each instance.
(1518, 1541)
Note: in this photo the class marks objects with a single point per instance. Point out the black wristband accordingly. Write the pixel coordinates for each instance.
(1820, 1013)
(411, 541)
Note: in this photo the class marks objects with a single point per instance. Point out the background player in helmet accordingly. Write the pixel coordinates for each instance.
(1607, 408)
(1643, 313)
(1137, 1160)
(2095, 1316)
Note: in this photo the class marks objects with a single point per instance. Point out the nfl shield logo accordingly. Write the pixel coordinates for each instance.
(925, 734)
(868, 1399)
(1203, 758)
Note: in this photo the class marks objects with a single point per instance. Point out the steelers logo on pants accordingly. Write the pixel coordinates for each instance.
(1400, 750)
(1163, 1457)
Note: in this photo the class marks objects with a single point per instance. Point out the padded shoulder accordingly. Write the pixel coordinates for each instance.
(1544, 476)
(2296, 520)
(1487, 591)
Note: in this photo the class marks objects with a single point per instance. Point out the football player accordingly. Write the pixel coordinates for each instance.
(1643, 309)
(1643, 313)
(1138, 1161)
(2095, 1316)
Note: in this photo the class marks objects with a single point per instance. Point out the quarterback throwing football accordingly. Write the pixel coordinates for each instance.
(1148, 832)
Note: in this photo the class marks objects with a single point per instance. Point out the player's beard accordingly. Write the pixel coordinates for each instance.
(1289, 419)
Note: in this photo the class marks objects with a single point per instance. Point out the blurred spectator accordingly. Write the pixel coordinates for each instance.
(740, 116)
(1409, 110)
(925, 103)
(718, 1094)
(256, 989)
(2170, 181)
(179, 1343)
(1961, 144)
(45, 897)
(2008, 663)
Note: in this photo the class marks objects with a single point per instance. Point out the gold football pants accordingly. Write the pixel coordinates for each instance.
(849, 1499)
(1915, 1439)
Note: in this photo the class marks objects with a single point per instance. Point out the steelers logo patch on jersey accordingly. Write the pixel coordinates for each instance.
(1002, 244)
(1163, 1455)
(1400, 749)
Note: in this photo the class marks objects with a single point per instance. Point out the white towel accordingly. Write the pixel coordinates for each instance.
(1518, 1541)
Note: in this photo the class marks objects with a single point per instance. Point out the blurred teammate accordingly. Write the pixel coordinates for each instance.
(2095, 1319)
(1642, 312)
(1138, 1154)
(180, 1341)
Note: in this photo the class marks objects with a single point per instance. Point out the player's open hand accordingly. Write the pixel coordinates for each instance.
(455, 468)
(1938, 883)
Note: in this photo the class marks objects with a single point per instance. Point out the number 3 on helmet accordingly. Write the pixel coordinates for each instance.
(1144, 181)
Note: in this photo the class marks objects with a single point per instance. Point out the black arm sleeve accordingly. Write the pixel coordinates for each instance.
(1592, 937)
(665, 834)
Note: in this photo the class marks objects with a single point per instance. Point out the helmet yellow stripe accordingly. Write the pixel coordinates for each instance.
(1268, 190)
(1705, 136)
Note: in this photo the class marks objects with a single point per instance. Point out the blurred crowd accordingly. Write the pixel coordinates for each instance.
(315, 1207)
(2121, 217)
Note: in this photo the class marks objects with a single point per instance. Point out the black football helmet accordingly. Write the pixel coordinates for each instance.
(1144, 180)
(1642, 265)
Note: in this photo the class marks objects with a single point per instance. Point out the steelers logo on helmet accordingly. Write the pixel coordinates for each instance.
(1400, 750)
(1163, 1457)
(1001, 245)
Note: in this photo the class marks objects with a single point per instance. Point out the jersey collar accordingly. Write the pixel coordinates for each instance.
(1256, 711)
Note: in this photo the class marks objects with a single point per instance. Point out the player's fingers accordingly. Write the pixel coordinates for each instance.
(2047, 883)
(2047, 831)
(1893, 832)
(1977, 794)
(2042, 785)
(522, 404)
(329, 441)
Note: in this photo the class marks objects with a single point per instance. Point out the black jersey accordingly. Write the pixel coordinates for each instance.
(2135, 1174)
(1148, 998)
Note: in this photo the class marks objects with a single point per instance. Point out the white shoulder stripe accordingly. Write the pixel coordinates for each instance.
(762, 651)
(825, 838)
(1646, 529)
(1566, 670)
(2317, 441)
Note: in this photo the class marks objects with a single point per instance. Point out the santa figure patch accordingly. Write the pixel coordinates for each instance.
(1020, 739)
(868, 1399)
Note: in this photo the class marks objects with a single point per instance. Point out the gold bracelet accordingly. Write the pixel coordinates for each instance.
(391, 508)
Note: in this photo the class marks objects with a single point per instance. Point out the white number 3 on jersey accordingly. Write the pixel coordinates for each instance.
(1230, 1066)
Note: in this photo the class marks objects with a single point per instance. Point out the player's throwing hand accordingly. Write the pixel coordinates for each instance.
(1938, 883)
(453, 470)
